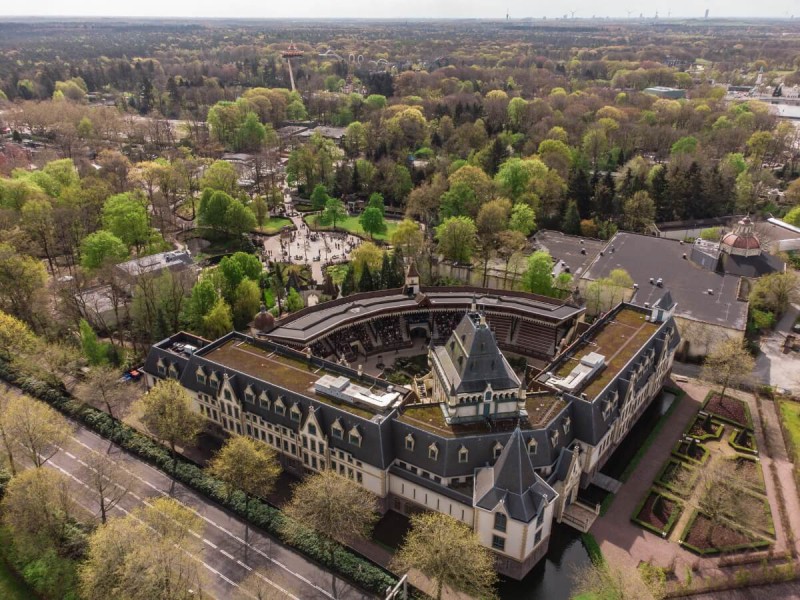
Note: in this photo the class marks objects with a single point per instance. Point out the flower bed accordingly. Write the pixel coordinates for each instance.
(702, 536)
(677, 476)
(657, 513)
(690, 451)
(729, 410)
(704, 427)
(750, 471)
(743, 441)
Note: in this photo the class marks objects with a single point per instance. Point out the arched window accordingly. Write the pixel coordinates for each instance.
(433, 451)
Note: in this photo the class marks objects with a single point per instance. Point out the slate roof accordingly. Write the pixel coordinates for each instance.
(644, 256)
(513, 481)
(471, 359)
(750, 266)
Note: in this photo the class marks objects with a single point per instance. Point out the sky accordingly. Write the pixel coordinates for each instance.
(399, 9)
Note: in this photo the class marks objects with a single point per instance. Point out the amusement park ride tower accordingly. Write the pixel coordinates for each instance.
(290, 53)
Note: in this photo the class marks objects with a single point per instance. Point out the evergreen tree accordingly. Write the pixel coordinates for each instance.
(580, 191)
(572, 220)
(349, 281)
(367, 281)
(659, 194)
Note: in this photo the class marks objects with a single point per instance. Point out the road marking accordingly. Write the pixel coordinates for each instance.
(244, 565)
(228, 554)
(210, 543)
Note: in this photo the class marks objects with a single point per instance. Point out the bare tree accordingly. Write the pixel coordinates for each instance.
(728, 365)
(38, 429)
(100, 469)
(599, 579)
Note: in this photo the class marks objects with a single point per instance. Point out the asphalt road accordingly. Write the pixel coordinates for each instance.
(223, 554)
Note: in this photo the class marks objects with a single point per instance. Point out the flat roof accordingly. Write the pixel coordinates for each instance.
(568, 249)
(644, 256)
(617, 341)
(283, 371)
(324, 318)
(156, 262)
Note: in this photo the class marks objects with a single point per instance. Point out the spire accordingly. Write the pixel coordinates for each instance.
(513, 470)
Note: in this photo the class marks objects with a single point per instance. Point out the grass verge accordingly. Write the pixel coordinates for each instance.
(351, 225)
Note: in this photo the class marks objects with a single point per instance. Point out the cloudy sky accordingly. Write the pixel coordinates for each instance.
(401, 9)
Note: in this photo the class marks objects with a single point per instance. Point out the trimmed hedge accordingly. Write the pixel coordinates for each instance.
(592, 548)
(686, 457)
(679, 464)
(756, 544)
(356, 568)
(747, 416)
(714, 435)
(673, 517)
(742, 449)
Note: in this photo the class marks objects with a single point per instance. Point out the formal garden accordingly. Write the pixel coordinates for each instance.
(709, 496)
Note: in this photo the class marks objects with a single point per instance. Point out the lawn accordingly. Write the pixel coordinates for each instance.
(352, 225)
(790, 419)
(273, 225)
(12, 588)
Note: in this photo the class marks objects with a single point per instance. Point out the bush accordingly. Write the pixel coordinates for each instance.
(762, 319)
(356, 568)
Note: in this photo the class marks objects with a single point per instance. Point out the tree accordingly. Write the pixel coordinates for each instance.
(249, 466)
(460, 200)
(776, 291)
(125, 216)
(319, 197)
(219, 320)
(523, 219)
(294, 301)
(247, 299)
(36, 428)
(102, 386)
(372, 221)
(456, 237)
(728, 365)
(639, 211)
(221, 176)
(449, 553)
(96, 352)
(239, 219)
(102, 247)
(572, 219)
(509, 244)
(334, 507)
(538, 278)
(108, 480)
(166, 411)
(334, 211)
(22, 282)
(408, 237)
(204, 297)
(148, 554)
(38, 509)
(793, 216)
(376, 201)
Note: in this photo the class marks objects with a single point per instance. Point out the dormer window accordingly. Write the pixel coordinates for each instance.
(263, 400)
(312, 429)
(295, 414)
(433, 451)
(214, 379)
(532, 445)
(173, 371)
(201, 376)
(162, 369)
(410, 442)
(280, 407)
(336, 430)
(554, 437)
(249, 396)
(498, 448)
(567, 423)
(463, 455)
(354, 437)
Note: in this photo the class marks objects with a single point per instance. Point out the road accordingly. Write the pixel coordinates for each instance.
(223, 554)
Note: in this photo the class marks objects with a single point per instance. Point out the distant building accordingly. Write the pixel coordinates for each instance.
(177, 261)
(666, 92)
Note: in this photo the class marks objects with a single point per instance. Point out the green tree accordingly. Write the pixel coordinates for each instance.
(334, 211)
(101, 248)
(459, 201)
(204, 297)
(247, 299)
(248, 466)
(538, 277)
(239, 219)
(639, 211)
(523, 218)
(319, 197)
(376, 201)
(457, 237)
(218, 321)
(221, 176)
(335, 508)
(250, 135)
(35, 428)
(294, 301)
(125, 215)
(408, 236)
(437, 545)
(166, 411)
(572, 219)
(793, 217)
(776, 291)
(372, 221)
(95, 351)
(685, 145)
(22, 283)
